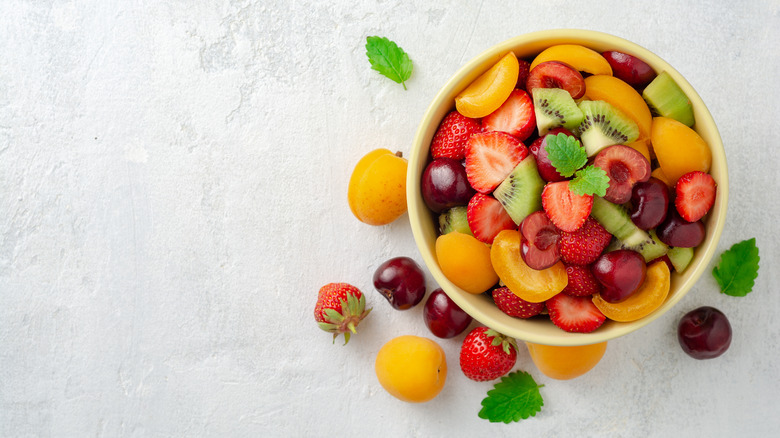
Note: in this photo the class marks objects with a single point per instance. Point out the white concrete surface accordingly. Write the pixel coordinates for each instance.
(173, 179)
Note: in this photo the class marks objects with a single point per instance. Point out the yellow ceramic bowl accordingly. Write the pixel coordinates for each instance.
(424, 224)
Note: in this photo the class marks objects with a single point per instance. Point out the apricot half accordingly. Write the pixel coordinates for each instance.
(490, 90)
(527, 283)
(678, 148)
(577, 56)
(650, 295)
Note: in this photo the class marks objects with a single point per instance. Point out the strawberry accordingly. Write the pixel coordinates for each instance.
(451, 136)
(515, 116)
(515, 306)
(487, 354)
(491, 157)
(340, 308)
(567, 210)
(574, 314)
(583, 246)
(522, 75)
(695, 195)
(581, 283)
(487, 217)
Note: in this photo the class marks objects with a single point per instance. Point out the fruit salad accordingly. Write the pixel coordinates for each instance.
(570, 186)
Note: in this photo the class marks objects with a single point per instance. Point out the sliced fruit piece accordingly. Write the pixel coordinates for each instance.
(625, 167)
(490, 158)
(680, 258)
(629, 68)
(582, 283)
(584, 245)
(567, 210)
(451, 136)
(650, 249)
(623, 97)
(650, 295)
(574, 314)
(604, 125)
(615, 219)
(695, 195)
(555, 107)
(515, 306)
(465, 261)
(515, 116)
(678, 148)
(539, 246)
(565, 363)
(554, 74)
(454, 219)
(490, 90)
(486, 217)
(665, 98)
(643, 147)
(527, 283)
(579, 57)
(520, 192)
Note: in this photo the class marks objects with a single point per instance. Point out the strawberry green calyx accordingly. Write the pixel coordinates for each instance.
(346, 319)
(506, 343)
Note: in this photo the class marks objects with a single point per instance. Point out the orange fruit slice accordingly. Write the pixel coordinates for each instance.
(527, 283)
(678, 148)
(489, 91)
(643, 302)
(577, 56)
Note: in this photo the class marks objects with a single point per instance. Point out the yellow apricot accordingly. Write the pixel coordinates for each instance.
(525, 282)
(642, 147)
(489, 91)
(564, 363)
(411, 368)
(465, 261)
(623, 97)
(659, 174)
(651, 294)
(678, 148)
(577, 56)
(377, 187)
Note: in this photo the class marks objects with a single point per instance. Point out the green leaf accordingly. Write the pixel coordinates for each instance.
(591, 180)
(515, 397)
(565, 153)
(388, 59)
(737, 270)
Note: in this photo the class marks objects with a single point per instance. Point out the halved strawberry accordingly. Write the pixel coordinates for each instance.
(487, 217)
(451, 136)
(515, 116)
(567, 210)
(581, 283)
(584, 245)
(574, 314)
(515, 306)
(695, 195)
(491, 157)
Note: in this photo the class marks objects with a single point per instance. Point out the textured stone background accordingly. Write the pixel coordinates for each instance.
(173, 183)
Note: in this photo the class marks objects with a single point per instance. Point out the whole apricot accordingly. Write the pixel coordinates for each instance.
(377, 187)
(411, 368)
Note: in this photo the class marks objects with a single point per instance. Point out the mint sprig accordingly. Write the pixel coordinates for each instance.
(565, 153)
(514, 398)
(737, 270)
(590, 180)
(388, 59)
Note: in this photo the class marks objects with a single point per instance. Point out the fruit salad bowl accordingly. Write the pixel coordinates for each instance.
(424, 221)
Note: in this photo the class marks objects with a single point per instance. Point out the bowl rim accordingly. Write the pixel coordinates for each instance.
(526, 45)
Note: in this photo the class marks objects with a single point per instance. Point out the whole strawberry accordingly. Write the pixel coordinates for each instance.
(450, 139)
(581, 283)
(515, 306)
(584, 245)
(487, 354)
(340, 308)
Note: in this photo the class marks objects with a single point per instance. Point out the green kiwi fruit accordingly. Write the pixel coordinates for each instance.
(521, 192)
(604, 125)
(680, 257)
(454, 219)
(666, 98)
(554, 107)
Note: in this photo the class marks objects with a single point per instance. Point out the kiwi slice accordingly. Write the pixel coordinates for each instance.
(666, 98)
(615, 219)
(555, 107)
(604, 125)
(680, 257)
(521, 192)
(650, 249)
(454, 219)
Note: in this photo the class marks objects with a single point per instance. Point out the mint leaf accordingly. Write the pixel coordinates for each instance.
(738, 268)
(515, 397)
(388, 59)
(565, 153)
(591, 180)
